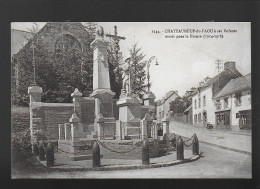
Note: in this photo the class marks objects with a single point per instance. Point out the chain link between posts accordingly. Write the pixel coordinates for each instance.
(138, 144)
(172, 145)
(185, 142)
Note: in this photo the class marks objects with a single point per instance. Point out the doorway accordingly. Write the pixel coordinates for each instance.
(205, 119)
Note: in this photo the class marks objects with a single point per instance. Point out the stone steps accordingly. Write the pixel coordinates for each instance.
(83, 157)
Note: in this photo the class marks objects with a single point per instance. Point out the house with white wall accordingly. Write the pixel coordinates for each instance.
(233, 104)
(203, 107)
(163, 105)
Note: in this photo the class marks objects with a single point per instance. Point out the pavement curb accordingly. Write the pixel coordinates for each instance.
(222, 147)
(226, 148)
(126, 167)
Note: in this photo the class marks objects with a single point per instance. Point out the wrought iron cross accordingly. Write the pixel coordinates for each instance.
(116, 40)
(115, 36)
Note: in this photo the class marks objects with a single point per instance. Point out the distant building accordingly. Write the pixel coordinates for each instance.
(163, 105)
(202, 99)
(188, 115)
(233, 104)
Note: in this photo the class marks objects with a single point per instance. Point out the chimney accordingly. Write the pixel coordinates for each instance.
(230, 65)
(201, 84)
(206, 79)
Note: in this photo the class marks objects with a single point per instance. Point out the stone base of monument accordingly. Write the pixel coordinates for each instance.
(133, 133)
(81, 150)
(129, 108)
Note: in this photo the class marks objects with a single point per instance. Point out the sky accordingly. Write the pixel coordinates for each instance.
(183, 62)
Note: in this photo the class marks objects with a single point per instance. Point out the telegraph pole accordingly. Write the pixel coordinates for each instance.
(218, 65)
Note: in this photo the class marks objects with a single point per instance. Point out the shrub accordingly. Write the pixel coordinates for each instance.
(21, 145)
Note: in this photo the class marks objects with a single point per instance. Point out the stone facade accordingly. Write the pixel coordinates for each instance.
(233, 106)
(202, 99)
(205, 108)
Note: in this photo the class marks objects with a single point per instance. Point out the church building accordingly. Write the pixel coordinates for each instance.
(58, 53)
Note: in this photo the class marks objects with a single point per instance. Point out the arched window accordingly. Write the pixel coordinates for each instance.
(67, 48)
(68, 63)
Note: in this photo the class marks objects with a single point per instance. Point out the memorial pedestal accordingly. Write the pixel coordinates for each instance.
(129, 108)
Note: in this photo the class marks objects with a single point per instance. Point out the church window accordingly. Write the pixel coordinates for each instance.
(67, 49)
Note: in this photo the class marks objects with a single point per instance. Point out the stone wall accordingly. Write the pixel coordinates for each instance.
(126, 145)
(45, 118)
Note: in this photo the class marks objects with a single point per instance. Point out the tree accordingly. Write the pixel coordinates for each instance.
(23, 62)
(138, 64)
(180, 104)
(115, 60)
(187, 101)
(177, 106)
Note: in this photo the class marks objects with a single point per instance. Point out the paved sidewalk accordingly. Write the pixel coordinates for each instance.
(229, 140)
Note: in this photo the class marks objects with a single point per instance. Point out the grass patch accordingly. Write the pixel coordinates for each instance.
(20, 135)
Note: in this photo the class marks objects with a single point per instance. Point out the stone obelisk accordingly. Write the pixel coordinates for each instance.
(101, 83)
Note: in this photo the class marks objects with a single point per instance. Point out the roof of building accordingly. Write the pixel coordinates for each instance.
(19, 39)
(167, 95)
(235, 85)
(170, 93)
(214, 79)
(187, 109)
